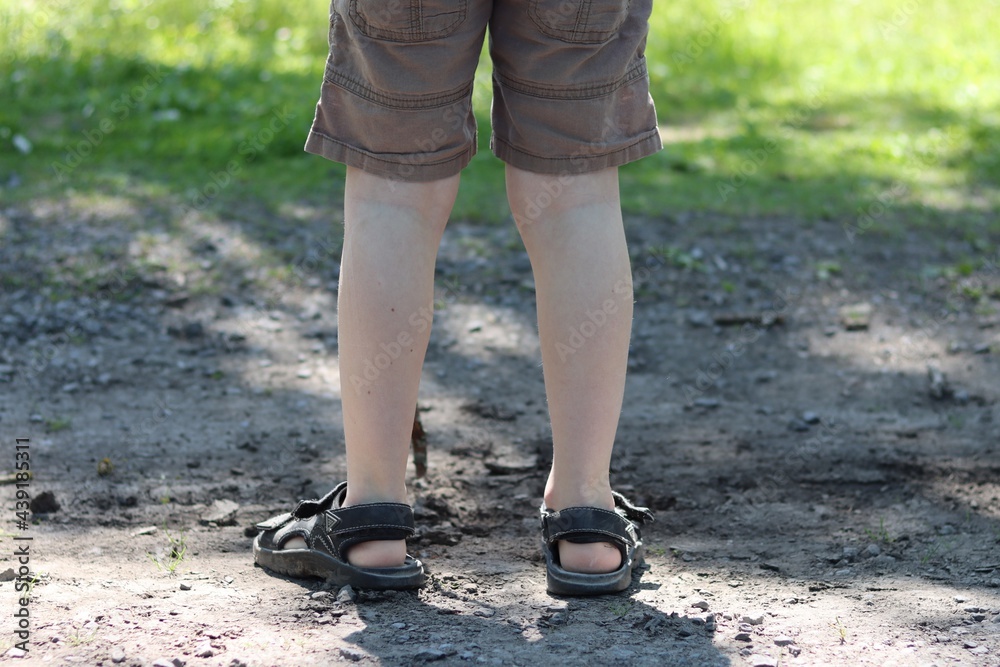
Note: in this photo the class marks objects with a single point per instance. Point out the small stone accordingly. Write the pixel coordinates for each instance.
(968, 643)
(707, 403)
(938, 386)
(221, 513)
(430, 655)
(398, 626)
(743, 637)
(8, 574)
(484, 613)
(475, 325)
(346, 594)
(960, 599)
(185, 587)
(700, 603)
(810, 417)
(782, 640)
(872, 550)
(16, 652)
(856, 316)
(117, 654)
(352, 654)
(699, 318)
(798, 426)
(44, 503)
(763, 661)
(70, 387)
(850, 553)
(204, 651)
(755, 618)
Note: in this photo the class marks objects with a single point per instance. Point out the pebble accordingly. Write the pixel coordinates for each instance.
(798, 426)
(430, 654)
(8, 574)
(185, 587)
(810, 417)
(742, 636)
(16, 652)
(352, 654)
(850, 553)
(204, 651)
(763, 661)
(700, 603)
(872, 550)
(304, 373)
(346, 594)
(856, 316)
(756, 618)
(782, 640)
(44, 503)
(221, 513)
(117, 654)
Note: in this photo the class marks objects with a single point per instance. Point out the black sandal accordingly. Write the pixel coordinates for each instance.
(587, 525)
(329, 531)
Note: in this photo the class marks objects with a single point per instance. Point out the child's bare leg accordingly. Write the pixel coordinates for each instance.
(385, 303)
(572, 230)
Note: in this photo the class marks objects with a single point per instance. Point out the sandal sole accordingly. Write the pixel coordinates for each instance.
(563, 582)
(304, 563)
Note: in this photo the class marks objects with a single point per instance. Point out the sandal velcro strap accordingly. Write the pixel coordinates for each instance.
(587, 524)
(327, 526)
(591, 524)
(633, 512)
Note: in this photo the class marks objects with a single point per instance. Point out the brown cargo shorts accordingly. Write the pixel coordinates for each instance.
(570, 86)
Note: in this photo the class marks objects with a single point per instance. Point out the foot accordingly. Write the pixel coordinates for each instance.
(593, 558)
(381, 553)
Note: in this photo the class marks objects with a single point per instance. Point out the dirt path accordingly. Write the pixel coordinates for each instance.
(822, 498)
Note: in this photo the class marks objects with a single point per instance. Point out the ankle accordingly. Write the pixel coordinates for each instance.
(362, 495)
(597, 494)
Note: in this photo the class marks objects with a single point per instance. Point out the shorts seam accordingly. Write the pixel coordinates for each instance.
(374, 156)
(618, 149)
(391, 102)
(583, 92)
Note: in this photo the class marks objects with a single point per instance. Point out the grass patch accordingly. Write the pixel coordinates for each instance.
(810, 109)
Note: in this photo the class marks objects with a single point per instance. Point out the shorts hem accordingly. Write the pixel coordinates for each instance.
(646, 145)
(398, 167)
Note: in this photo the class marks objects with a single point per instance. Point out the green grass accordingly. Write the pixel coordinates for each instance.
(816, 110)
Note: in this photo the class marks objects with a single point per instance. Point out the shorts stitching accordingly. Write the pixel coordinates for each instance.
(593, 91)
(374, 156)
(587, 156)
(391, 102)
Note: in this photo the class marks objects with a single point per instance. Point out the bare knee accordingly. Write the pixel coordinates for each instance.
(537, 197)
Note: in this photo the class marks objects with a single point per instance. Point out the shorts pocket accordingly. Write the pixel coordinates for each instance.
(408, 20)
(579, 21)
